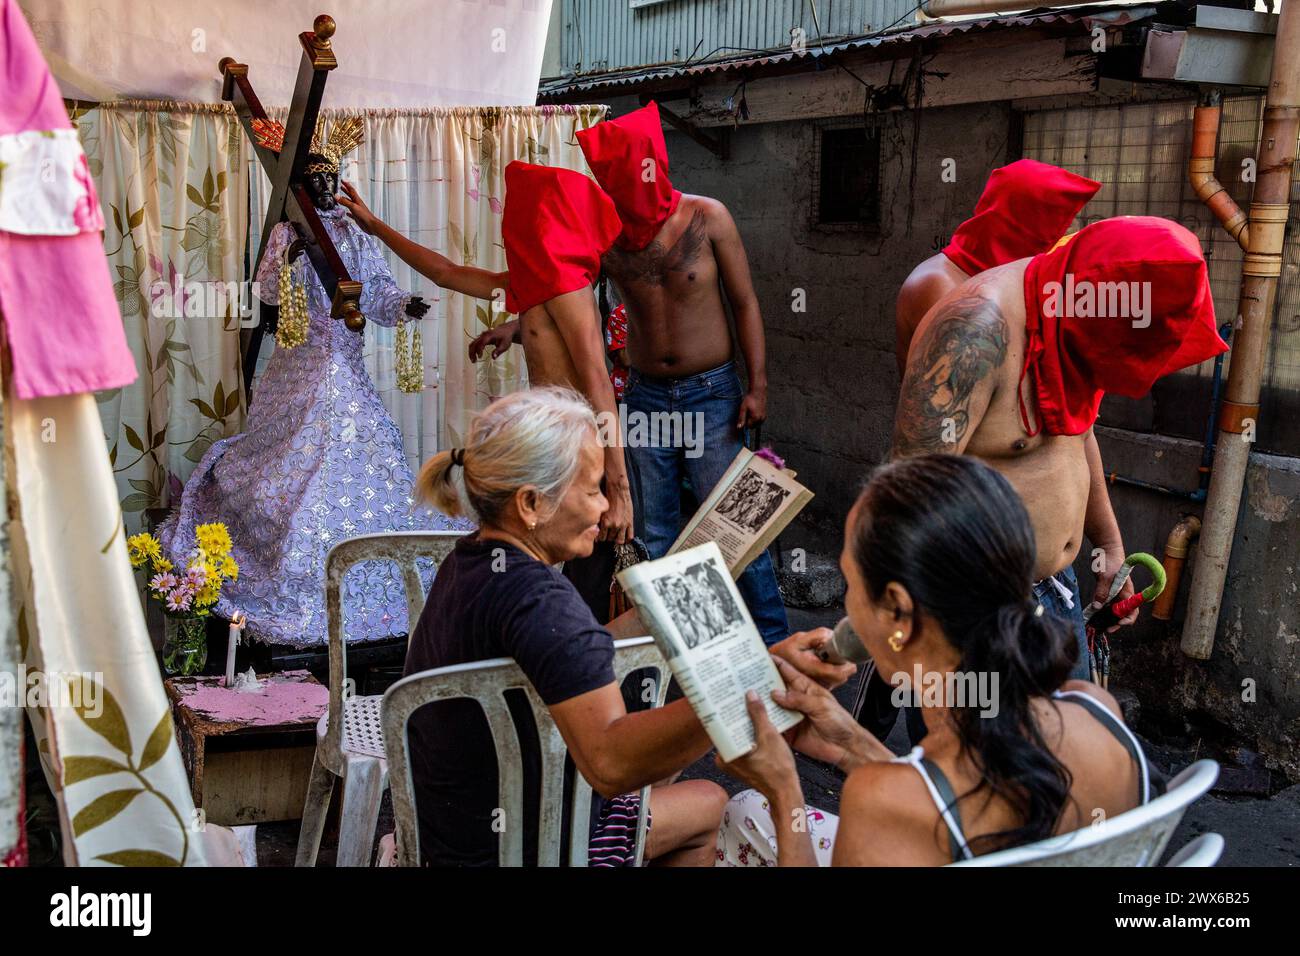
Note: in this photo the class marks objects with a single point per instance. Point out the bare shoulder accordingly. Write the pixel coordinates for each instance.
(925, 286)
(1098, 693)
(954, 363)
(705, 204)
(716, 216)
(886, 819)
(970, 314)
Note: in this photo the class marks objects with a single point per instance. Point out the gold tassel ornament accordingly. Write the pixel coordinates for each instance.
(410, 357)
(291, 330)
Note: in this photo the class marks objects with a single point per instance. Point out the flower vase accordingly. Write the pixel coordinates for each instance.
(185, 647)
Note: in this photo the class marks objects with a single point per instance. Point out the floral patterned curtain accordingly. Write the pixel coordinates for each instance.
(437, 176)
(173, 184)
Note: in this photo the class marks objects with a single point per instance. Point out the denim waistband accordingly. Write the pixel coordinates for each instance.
(728, 367)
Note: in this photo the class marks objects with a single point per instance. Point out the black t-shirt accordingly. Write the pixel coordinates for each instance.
(490, 599)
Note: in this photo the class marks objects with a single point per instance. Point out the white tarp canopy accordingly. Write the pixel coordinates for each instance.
(391, 53)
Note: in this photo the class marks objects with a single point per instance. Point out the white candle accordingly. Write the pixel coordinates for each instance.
(236, 625)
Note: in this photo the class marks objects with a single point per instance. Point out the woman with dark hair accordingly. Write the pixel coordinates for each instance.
(939, 556)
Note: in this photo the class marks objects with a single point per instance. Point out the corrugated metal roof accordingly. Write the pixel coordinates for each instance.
(625, 81)
(604, 36)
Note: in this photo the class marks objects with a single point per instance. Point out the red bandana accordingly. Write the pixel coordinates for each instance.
(556, 226)
(1025, 208)
(630, 161)
(1112, 308)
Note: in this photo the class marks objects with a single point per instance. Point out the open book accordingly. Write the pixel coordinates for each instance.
(690, 604)
(747, 509)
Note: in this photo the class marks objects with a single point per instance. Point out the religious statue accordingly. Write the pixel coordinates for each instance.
(320, 460)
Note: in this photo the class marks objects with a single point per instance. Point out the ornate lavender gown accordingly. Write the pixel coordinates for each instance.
(320, 461)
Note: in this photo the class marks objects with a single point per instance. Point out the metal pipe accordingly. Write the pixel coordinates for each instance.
(1176, 545)
(1200, 171)
(1117, 479)
(1207, 444)
(1216, 395)
(933, 9)
(1260, 270)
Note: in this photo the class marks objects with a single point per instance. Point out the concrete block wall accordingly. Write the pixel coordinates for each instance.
(1251, 683)
(833, 381)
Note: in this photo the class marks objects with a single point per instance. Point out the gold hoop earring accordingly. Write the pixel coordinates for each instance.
(896, 641)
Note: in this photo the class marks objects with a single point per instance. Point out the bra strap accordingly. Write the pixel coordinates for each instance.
(1119, 730)
(936, 782)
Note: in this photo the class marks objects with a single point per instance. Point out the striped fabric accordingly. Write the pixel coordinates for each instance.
(613, 842)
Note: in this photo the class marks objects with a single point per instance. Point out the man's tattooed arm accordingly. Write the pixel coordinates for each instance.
(950, 377)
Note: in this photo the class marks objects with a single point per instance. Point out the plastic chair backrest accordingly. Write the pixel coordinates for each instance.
(487, 683)
(1134, 838)
(404, 548)
(1205, 850)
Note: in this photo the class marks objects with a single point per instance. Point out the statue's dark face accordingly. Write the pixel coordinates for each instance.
(322, 187)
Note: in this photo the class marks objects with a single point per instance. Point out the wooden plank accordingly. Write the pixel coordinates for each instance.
(976, 74)
(256, 786)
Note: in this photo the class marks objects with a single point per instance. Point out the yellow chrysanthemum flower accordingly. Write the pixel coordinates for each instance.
(143, 547)
(208, 594)
(229, 568)
(162, 565)
(213, 538)
(135, 549)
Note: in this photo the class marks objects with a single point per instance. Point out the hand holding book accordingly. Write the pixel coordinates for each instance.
(689, 602)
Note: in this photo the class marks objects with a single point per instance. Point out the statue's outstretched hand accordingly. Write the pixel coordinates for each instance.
(352, 202)
(417, 307)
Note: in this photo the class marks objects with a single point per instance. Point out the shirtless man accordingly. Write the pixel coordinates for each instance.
(563, 345)
(548, 211)
(560, 334)
(1025, 209)
(673, 260)
(1021, 389)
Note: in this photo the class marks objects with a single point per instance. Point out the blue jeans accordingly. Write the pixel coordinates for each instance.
(1054, 603)
(711, 403)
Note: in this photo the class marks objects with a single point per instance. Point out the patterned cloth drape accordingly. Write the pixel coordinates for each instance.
(172, 181)
(103, 726)
(437, 176)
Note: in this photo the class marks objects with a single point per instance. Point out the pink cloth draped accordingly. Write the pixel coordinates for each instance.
(61, 317)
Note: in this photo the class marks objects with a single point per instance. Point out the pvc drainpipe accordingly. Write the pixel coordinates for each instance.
(1200, 170)
(1175, 557)
(1259, 278)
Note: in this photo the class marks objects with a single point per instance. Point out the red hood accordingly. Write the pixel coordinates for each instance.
(1026, 207)
(1114, 307)
(556, 226)
(629, 159)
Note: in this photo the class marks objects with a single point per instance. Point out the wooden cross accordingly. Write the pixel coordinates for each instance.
(289, 198)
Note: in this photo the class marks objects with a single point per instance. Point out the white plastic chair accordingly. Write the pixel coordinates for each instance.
(349, 738)
(1205, 850)
(1135, 838)
(487, 683)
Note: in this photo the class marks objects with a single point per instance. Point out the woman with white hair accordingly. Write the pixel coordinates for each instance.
(530, 473)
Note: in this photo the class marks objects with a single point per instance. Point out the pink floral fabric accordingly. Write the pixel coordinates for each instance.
(747, 836)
